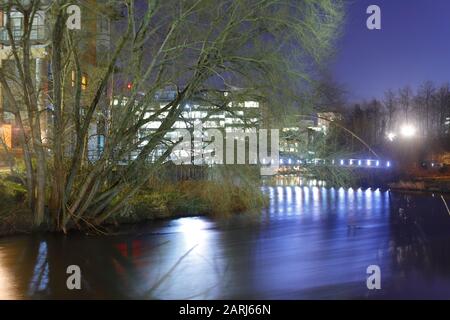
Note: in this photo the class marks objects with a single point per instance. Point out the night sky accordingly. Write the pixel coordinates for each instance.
(412, 46)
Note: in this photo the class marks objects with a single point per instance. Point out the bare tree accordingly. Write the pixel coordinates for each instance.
(197, 47)
(405, 99)
(442, 107)
(425, 100)
(390, 102)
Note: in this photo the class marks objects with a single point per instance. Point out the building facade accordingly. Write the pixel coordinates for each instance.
(94, 48)
(238, 116)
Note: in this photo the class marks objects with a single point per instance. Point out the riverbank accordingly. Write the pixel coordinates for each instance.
(432, 184)
(158, 200)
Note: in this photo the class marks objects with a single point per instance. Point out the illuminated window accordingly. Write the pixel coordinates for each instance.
(84, 82)
(251, 104)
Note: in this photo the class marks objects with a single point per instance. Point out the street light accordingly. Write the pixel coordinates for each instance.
(391, 136)
(408, 131)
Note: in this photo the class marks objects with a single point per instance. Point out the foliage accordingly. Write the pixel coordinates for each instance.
(190, 197)
(11, 192)
(268, 49)
(14, 214)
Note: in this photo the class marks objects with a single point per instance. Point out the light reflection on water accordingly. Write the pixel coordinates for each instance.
(7, 290)
(39, 280)
(335, 233)
(311, 242)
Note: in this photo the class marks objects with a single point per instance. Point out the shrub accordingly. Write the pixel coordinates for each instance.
(187, 198)
(14, 215)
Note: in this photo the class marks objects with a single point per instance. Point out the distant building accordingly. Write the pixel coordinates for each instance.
(239, 115)
(295, 139)
(324, 120)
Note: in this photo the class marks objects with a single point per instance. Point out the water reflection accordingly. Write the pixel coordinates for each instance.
(311, 242)
(39, 280)
(7, 289)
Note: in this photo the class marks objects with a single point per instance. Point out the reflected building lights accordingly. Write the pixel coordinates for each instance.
(6, 280)
(40, 279)
(315, 194)
(280, 191)
(288, 197)
(306, 195)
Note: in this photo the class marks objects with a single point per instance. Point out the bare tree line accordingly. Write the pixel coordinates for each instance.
(427, 109)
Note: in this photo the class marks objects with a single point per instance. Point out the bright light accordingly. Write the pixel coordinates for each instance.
(388, 164)
(377, 163)
(368, 162)
(193, 230)
(342, 162)
(359, 162)
(391, 136)
(408, 131)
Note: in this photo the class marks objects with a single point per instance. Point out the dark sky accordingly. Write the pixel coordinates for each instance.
(412, 46)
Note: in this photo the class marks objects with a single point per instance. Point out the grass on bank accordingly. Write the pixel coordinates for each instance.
(157, 200)
(190, 198)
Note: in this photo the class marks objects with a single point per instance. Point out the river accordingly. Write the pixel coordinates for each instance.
(311, 242)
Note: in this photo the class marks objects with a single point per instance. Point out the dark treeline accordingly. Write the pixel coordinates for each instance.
(427, 109)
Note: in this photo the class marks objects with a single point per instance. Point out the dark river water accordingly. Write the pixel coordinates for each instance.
(311, 242)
